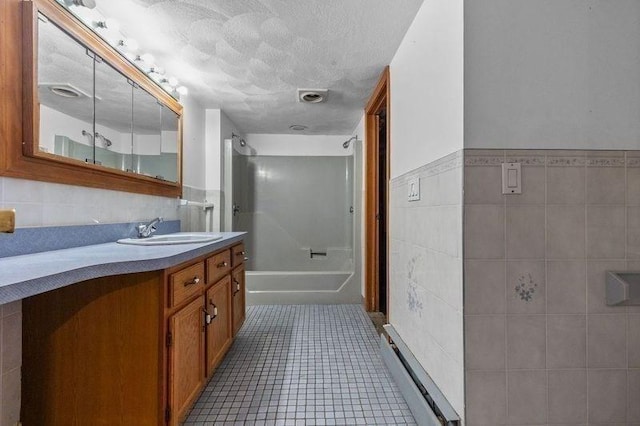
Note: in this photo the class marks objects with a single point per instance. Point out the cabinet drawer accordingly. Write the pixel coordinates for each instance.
(185, 283)
(218, 266)
(238, 254)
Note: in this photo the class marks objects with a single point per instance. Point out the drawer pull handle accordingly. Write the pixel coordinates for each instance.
(215, 310)
(240, 253)
(195, 280)
(207, 317)
(222, 264)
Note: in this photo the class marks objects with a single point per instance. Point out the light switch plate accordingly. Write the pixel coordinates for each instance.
(414, 189)
(7, 221)
(511, 178)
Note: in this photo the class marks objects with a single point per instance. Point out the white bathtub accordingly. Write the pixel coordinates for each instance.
(301, 287)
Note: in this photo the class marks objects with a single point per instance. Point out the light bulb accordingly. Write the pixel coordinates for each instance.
(112, 25)
(147, 58)
(112, 39)
(155, 76)
(85, 3)
(132, 44)
(88, 16)
(128, 43)
(182, 90)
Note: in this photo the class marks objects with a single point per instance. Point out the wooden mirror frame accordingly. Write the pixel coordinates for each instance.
(19, 106)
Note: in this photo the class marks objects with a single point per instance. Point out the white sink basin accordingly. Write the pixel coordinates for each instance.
(177, 238)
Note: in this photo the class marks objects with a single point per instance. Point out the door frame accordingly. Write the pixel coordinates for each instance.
(380, 98)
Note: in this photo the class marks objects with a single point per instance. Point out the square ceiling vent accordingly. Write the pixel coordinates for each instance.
(312, 96)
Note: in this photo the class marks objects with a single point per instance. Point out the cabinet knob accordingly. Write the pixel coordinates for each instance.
(195, 280)
(240, 253)
(222, 264)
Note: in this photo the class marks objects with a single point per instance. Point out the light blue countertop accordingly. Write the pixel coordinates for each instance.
(28, 275)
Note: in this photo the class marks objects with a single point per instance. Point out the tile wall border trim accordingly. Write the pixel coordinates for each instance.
(553, 161)
(441, 165)
(526, 160)
(550, 159)
(633, 162)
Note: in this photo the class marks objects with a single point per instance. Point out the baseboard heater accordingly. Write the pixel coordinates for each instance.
(426, 402)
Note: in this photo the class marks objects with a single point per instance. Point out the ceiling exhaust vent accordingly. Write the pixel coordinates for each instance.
(312, 96)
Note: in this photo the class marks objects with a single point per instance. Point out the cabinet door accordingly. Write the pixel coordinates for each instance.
(237, 291)
(186, 358)
(218, 305)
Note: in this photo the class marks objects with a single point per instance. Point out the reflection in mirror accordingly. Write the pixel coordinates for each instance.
(147, 136)
(146, 132)
(114, 104)
(65, 93)
(169, 147)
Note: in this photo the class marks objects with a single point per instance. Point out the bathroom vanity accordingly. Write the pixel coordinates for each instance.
(132, 348)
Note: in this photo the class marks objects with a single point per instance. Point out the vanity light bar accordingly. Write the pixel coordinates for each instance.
(108, 29)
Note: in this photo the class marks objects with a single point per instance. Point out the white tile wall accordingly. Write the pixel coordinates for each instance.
(426, 298)
(52, 204)
(192, 218)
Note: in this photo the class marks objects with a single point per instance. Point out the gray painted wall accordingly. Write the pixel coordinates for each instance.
(552, 74)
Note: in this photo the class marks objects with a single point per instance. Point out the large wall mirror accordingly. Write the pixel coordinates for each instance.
(91, 108)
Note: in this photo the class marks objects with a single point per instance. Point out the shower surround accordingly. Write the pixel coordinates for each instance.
(532, 340)
(298, 212)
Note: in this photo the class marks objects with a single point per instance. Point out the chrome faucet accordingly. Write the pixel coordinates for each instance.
(145, 231)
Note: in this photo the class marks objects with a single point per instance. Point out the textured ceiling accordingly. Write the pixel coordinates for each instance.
(248, 57)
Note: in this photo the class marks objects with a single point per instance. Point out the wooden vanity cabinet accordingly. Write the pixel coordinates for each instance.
(129, 349)
(92, 353)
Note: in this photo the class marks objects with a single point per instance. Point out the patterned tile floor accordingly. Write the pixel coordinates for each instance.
(302, 365)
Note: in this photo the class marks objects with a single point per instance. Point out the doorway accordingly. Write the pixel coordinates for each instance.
(376, 188)
(383, 258)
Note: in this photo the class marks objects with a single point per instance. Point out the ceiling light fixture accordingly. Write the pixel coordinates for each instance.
(109, 30)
